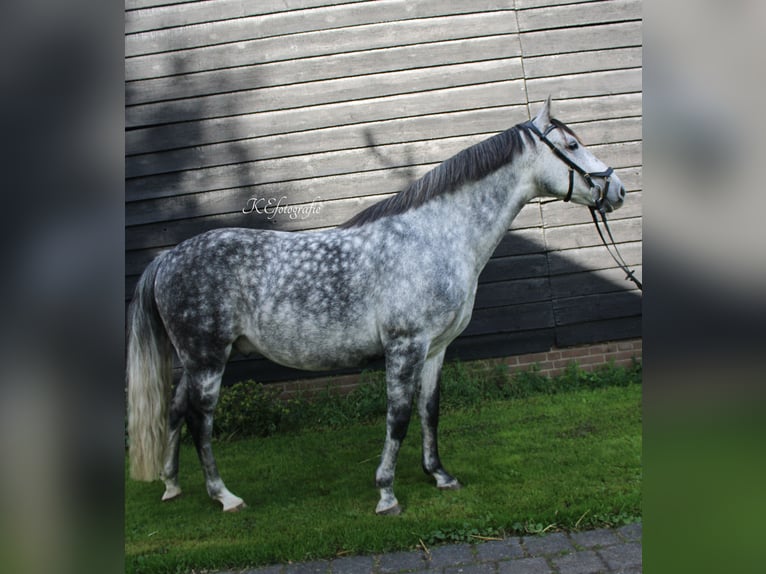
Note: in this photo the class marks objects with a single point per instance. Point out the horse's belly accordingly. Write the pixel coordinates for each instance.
(314, 350)
(323, 359)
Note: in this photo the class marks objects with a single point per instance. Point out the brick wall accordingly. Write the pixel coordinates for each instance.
(554, 362)
(551, 363)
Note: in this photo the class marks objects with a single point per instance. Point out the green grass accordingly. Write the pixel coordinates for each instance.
(560, 459)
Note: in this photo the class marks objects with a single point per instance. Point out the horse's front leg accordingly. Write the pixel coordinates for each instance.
(404, 364)
(428, 406)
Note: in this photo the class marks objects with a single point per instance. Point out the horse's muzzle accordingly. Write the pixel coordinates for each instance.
(611, 199)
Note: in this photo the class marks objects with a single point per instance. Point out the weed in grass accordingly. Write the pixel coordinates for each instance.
(533, 528)
(480, 529)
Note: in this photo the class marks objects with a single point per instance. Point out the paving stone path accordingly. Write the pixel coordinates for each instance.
(605, 551)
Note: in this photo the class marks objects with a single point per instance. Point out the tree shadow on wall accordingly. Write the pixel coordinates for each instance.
(190, 166)
(190, 169)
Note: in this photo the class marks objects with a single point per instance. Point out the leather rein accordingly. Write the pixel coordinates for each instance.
(600, 202)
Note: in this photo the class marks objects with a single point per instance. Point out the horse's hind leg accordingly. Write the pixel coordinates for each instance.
(202, 392)
(176, 418)
(428, 407)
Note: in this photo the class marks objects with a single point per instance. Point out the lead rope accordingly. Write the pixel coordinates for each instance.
(629, 273)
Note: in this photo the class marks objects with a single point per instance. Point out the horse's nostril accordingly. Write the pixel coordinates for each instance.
(622, 192)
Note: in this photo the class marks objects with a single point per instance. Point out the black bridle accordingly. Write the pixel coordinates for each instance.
(600, 203)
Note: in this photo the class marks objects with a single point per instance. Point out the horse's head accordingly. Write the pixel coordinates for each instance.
(568, 170)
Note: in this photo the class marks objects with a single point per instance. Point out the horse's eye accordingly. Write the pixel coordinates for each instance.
(572, 145)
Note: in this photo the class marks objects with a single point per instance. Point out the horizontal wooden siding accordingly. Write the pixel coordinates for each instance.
(341, 103)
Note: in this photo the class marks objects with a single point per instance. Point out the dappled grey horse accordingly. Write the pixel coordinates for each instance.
(398, 280)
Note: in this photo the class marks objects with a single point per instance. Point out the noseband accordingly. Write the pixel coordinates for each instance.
(599, 203)
(573, 167)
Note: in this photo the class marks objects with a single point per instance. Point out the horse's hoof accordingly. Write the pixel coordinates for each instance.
(452, 485)
(171, 493)
(236, 507)
(394, 510)
(230, 502)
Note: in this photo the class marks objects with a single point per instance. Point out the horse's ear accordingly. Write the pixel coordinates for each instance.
(543, 118)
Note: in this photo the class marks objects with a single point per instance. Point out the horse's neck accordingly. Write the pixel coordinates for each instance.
(478, 214)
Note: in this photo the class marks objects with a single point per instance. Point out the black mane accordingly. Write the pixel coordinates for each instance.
(470, 164)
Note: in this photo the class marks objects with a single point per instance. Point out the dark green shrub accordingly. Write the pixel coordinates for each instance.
(252, 409)
(368, 401)
(460, 387)
(249, 409)
(531, 382)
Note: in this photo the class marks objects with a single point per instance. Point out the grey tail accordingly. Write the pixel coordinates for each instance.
(149, 378)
